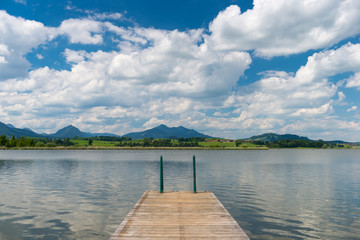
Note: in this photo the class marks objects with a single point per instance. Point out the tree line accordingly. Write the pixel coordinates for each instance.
(120, 142)
(298, 143)
(105, 138)
(150, 142)
(33, 142)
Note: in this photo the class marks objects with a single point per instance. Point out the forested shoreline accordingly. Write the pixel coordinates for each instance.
(107, 142)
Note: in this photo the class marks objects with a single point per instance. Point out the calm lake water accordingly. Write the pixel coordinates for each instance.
(275, 194)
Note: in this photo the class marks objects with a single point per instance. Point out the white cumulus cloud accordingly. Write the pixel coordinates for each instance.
(170, 78)
(354, 81)
(175, 64)
(186, 77)
(306, 95)
(284, 27)
(353, 108)
(75, 56)
(18, 37)
(107, 16)
(85, 31)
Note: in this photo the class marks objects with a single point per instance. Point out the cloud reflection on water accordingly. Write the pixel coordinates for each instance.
(276, 194)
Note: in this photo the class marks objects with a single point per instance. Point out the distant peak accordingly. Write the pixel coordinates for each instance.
(163, 131)
(162, 126)
(70, 126)
(68, 129)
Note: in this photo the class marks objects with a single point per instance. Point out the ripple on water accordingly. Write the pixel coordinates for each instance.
(282, 194)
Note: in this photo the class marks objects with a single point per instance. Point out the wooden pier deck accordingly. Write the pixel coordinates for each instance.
(179, 215)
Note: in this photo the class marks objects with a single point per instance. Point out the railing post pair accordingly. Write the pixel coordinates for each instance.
(162, 175)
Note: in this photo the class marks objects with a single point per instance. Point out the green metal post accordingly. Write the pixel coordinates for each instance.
(161, 175)
(194, 174)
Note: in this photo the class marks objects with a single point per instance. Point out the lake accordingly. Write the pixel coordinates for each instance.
(274, 194)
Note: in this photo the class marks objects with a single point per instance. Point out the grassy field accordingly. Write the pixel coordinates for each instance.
(205, 145)
(138, 144)
(217, 144)
(95, 143)
(79, 143)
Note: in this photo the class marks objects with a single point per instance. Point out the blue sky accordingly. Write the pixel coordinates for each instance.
(227, 68)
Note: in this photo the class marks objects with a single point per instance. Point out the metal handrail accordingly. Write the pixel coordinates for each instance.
(162, 175)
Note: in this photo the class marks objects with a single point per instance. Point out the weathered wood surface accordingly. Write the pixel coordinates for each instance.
(178, 215)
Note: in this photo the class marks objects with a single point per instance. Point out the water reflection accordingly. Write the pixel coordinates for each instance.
(287, 194)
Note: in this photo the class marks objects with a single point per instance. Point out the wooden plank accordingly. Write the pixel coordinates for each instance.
(178, 215)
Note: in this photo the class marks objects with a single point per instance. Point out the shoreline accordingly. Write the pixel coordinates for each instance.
(135, 148)
(159, 148)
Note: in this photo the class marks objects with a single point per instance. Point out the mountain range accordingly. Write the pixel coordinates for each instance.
(161, 131)
(70, 131)
(9, 130)
(66, 132)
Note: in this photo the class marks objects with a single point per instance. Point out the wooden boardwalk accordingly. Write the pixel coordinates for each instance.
(178, 215)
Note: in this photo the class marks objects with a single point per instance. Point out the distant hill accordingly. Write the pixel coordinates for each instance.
(270, 137)
(163, 131)
(66, 132)
(337, 142)
(9, 130)
(70, 132)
